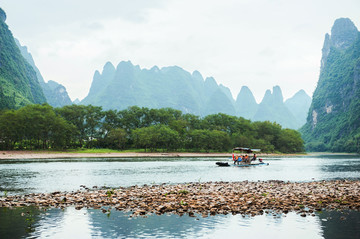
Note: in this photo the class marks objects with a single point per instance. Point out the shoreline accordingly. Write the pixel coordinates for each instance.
(64, 154)
(212, 198)
(56, 155)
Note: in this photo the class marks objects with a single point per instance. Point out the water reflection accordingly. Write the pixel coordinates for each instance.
(340, 224)
(48, 175)
(18, 222)
(90, 223)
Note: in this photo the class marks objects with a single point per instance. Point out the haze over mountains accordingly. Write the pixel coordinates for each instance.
(55, 93)
(21, 81)
(128, 85)
(333, 122)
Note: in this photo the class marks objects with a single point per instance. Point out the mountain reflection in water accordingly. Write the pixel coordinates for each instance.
(90, 223)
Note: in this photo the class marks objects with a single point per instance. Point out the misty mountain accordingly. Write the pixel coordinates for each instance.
(55, 93)
(128, 85)
(299, 106)
(76, 101)
(333, 122)
(272, 108)
(245, 104)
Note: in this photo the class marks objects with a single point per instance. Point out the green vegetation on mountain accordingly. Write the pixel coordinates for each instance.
(18, 82)
(333, 123)
(78, 126)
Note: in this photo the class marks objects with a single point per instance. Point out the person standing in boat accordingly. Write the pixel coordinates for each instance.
(253, 158)
(247, 159)
(236, 160)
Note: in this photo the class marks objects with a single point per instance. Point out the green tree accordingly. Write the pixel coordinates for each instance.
(62, 134)
(76, 115)
(132, 117)
(290, 141)
(111, 121)
(116, 139)
(223, 122)
(208, 140)
(267, 131)
(10, 129)
(155, 137)
(34, 127)
(93, 117)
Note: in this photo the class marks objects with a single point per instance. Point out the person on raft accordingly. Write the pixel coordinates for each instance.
(247, 159)
(253, 158)
(243, 159)
(236, 159)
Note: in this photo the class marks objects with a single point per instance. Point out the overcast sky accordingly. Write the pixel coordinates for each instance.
(257, 43)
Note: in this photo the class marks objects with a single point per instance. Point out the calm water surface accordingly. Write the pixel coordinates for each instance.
(48, 175)
(90, 223)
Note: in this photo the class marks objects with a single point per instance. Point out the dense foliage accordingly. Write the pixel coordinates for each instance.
(76, 126)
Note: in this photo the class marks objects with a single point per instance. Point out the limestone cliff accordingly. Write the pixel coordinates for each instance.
(333, 122)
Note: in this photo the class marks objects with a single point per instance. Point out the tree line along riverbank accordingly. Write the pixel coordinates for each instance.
(35, 127)
(106, 153)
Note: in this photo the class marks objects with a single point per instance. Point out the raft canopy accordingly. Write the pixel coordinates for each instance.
(247, 150)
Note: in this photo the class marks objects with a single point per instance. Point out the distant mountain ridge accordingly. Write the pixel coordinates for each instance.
(333, 122)
(299, 106)
(245, 104)
(128, 85)
(273, 106)
(55, 93)
(19, 85)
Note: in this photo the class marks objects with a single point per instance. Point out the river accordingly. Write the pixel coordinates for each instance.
(48, 175)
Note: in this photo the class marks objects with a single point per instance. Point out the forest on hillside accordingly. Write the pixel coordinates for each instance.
(333, 122)
(78, 126)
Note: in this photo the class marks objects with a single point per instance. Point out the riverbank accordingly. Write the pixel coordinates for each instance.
(66, 154)
(246, 198)
(60, 154)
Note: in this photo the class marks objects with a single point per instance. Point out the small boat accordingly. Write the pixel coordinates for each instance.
(223, 164)
(251, 164)
(226, 164)
(240, 163)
